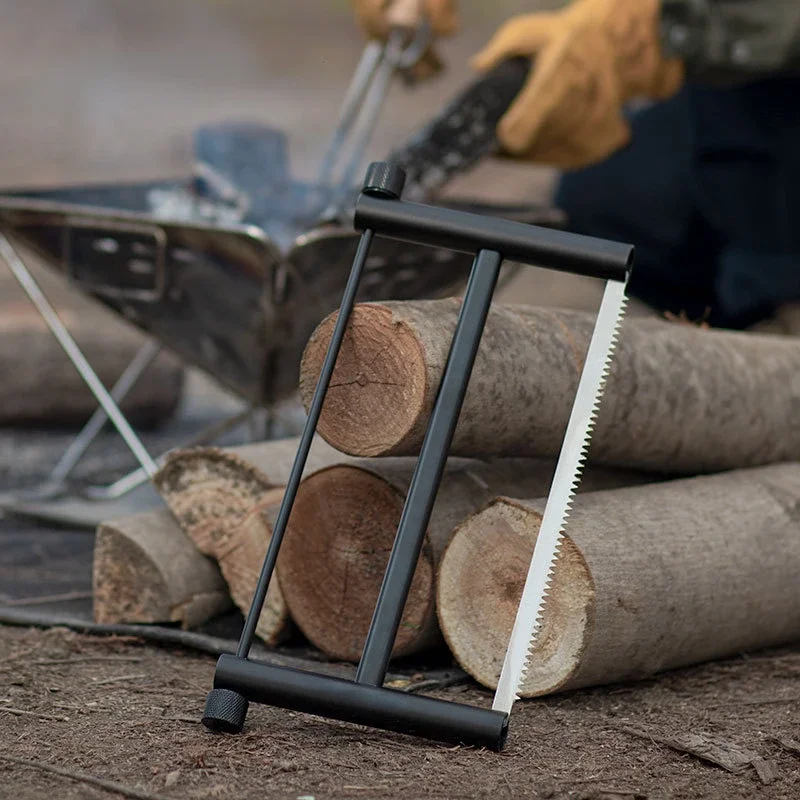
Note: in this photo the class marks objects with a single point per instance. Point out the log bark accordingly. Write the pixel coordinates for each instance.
(42, 385)
(648, 579)
(218, 496)
(667, 406)
(146, 570)
(342, 529)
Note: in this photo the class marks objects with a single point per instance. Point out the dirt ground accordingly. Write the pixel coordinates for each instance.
(114, 710)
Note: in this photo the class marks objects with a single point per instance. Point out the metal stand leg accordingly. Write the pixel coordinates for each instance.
(138, 476)
(62, 335)
(129, 378)
(259, 424)
(108, 401)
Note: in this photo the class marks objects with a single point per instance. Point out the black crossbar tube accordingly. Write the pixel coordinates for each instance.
(428, 472)
(515, 241)
(344, 700)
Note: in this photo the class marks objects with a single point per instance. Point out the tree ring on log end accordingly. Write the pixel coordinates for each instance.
(331, 565)
(377, 394)
(481, 577)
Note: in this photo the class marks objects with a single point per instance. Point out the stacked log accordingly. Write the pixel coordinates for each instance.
(225, 500)
(650, 576)
(679, 399)
(341, 532)
(146, 570)
(41, 385)
(648, 579)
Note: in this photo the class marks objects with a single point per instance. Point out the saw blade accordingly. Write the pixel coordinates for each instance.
(565, 483)
(461, 135)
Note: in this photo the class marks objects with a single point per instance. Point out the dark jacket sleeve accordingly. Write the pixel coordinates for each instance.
(733, 38)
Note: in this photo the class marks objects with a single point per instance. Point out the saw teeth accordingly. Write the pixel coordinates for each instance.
(507, 694)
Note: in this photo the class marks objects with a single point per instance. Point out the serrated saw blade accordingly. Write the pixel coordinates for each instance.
(565, 483)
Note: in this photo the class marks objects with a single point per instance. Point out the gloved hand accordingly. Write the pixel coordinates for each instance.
(376, 18)
(590, 59)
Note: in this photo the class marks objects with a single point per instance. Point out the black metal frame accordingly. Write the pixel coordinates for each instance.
(380, 211)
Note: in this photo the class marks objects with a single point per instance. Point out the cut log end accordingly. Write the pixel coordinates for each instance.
(480, 588)
(147, 571)
(127, 585)
(379, 386)
(210, 490)
(337, 546)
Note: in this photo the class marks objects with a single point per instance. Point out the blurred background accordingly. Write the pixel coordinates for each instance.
(99, 90)
(113, 90)
(103, 89)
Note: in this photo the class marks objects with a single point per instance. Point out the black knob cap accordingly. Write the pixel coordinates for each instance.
(225, 711)
(384, 180)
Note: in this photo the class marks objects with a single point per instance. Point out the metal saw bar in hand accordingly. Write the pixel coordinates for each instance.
(565, 483)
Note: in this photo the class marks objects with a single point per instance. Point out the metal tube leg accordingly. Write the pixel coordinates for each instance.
(137, 477)
(307, 437)
(428, 472)
(62, 335)
(371, 57)
(129, 378)
(373, 104)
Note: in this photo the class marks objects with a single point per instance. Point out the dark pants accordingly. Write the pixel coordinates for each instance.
(709, 193)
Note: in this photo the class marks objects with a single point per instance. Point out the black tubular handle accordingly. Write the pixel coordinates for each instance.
(345, 700)
(469, 233)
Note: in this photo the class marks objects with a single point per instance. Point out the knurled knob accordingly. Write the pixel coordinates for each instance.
(384, 180)
(225, 711)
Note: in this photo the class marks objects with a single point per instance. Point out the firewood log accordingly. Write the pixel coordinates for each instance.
(680, 399)
(41, 386)
(218, 496)
(146, 570)
(342, 529)
(649, 578)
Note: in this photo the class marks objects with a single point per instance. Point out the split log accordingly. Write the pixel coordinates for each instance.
(649, 578)
(342, 529)
(679, 399)
(240, 553)
(218, 496)
(146, 570)
(42, 386)
(210, 490)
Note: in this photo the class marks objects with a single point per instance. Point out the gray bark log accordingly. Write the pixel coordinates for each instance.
(679, 399)
(649, 578)
(146, 570)
(40, 384)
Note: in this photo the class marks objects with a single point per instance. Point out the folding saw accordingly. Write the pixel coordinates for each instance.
(380, 212)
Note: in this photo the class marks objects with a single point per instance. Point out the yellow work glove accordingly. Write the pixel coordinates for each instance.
(376, 18)
(589, 60)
